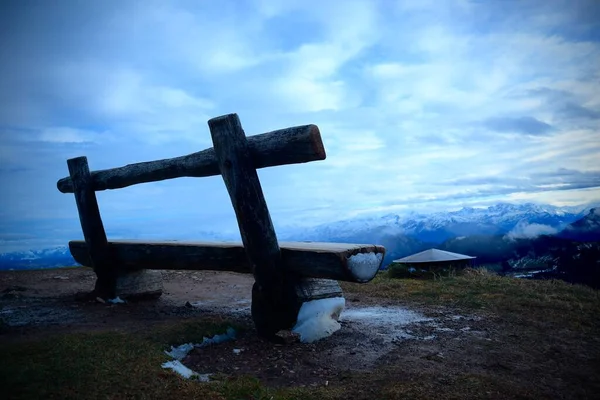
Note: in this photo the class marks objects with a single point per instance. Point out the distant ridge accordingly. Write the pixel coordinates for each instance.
(402, 235)
(586, 229)
(55, 257)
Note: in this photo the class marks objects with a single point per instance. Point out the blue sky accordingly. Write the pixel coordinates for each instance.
(422, 106)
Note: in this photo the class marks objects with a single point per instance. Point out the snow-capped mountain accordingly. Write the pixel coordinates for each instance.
(402, 235)
(407, 234)
(35, 259)
(438, 227)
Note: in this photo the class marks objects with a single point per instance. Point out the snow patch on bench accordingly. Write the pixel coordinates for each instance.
(363, 265)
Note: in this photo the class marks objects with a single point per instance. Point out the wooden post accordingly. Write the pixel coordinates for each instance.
(93, 230)
(270, 310)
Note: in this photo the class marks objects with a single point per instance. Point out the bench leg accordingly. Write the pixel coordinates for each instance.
(138, 284)
(274, 310)
(106, 283)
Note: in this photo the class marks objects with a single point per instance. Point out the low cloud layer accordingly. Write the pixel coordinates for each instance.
(525, 230)
(421, 105)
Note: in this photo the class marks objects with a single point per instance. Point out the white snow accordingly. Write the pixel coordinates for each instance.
(388, 323)
(181, 351)
(181, 369)
(389, 316)
(185, 372)
(318, 319)
(414, 223)
(116, 300)
(363, 265)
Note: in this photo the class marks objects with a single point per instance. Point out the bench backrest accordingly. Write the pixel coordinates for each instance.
(234, 156)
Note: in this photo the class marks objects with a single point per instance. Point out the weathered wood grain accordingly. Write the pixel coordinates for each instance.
(309, 289)
(247, 198)
(96, 244)
(271, 309)
(293, 145)
(305, 259)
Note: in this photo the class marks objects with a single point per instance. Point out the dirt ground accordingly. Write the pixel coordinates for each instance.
(403, 341)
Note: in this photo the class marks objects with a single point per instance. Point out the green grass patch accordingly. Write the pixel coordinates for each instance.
(119, 365)
(99, 365)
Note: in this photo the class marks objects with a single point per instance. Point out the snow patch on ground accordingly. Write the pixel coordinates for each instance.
(184, 371)
(116, 300)
(180, 352)
(318, 319)
(388, 323)
(376, 316)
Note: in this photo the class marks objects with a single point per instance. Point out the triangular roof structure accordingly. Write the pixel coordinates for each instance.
(433, 255)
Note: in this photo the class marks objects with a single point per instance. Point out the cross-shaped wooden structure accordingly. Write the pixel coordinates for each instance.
(286, 274)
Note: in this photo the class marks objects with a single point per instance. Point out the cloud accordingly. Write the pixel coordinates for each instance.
(560, 179)
(11, 237)
(68, 135)
(575, 111)
(421, 105)
(524, 230)
(567, 106)
(525, 125)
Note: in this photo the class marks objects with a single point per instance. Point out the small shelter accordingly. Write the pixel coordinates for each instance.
(435, 261)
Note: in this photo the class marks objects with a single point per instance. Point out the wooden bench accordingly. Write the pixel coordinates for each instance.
(286, 274)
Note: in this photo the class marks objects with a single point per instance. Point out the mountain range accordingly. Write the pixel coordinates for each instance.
(35, 259)
(411, 233)
(496, 234)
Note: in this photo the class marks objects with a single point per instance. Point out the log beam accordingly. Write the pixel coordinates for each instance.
(293, 145)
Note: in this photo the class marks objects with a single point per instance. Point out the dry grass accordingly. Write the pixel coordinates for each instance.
(119, 365)
(553, 301)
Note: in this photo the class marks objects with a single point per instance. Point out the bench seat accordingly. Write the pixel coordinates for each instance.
(338, 261)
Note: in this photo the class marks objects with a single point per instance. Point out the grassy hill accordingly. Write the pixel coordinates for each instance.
(541, 342)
